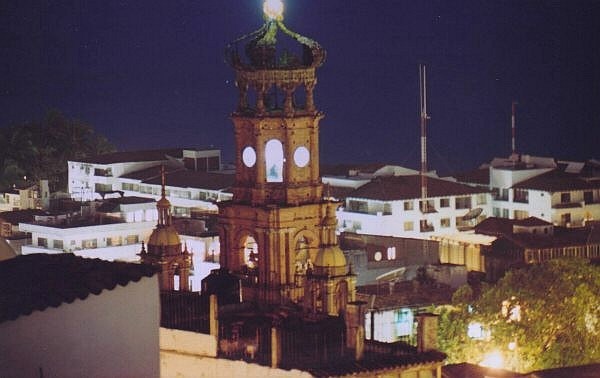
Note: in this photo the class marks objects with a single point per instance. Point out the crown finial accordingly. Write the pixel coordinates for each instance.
(273, 9)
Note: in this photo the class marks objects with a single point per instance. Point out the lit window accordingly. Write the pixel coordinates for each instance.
(391, 253)
(301, 156)
(408, 226)
(445, 222)
(377, 256)
(274, 160)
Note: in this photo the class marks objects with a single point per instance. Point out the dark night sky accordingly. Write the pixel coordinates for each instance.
(150, 73)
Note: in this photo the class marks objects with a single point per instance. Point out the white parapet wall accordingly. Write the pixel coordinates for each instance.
(191, 354)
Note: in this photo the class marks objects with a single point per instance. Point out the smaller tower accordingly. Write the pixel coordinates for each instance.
(164, 248)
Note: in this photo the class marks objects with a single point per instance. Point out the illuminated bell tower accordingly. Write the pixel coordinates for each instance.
(278, 226)
(164, 248)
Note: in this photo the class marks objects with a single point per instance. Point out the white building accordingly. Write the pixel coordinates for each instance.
(392, 205)
(28, 197)
(66, 316)
(112, 231)
(564, 193)
(195, 181)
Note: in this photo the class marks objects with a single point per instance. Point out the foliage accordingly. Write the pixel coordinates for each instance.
(40, 150)
(549, 313)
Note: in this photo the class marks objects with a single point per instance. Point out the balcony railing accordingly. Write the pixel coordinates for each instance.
(567, 205)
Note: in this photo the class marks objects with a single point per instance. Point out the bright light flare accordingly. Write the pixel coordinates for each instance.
(493, 360)
(273, 9)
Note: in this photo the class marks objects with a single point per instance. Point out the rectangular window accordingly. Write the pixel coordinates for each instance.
(114, 241)
(427, 206)
(57, 244)
(444, 202)
(463, 202)
(408, 205)
(504, 213)
(588, 197)
(521, 195)
(43, 242)
(103, 187)
(89, 243)
(445, 222)
(496, 212)
(132, 239)
(521, 214)
(565, 197)
(481, 199)
(408, 226)
(565, 219)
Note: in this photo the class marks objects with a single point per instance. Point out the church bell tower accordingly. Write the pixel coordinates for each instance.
(278, 232)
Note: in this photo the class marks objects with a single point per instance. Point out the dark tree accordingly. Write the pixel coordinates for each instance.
(40, 150)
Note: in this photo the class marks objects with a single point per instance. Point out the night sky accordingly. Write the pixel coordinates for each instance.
(150, 73)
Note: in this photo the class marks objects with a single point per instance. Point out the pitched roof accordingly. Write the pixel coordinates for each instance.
(39, 281)
(467, 370)
(480, 176)
(184, 178)
(378, 357)
(134, 156)
(557, 180)
(344, 169)
(562, 237)
(393, 188)
(500, 226)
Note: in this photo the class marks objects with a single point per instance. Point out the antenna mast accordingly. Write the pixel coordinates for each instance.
(424, 118)
(513, 120)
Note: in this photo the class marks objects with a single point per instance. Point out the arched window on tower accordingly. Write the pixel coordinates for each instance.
(251, 253)
(302, 256)
(274, 160)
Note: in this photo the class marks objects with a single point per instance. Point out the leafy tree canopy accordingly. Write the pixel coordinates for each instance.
(40, 150)
(539, 317)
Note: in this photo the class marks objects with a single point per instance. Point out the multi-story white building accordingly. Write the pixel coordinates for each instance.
(564, 193)
(90, 178)
(29, 197)
(392, 205)
(112, 230)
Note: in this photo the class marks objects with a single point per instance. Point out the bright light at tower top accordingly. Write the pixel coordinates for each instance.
(273, 9)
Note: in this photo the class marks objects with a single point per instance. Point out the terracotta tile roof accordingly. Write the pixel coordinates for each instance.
(582, 371)
(134, 156)
(467, 370)
(379, 357)
(393, 188)
(148, 173)
(183, 178)
(480, 176)
(557, 180)
(39, 281)
(501, 226)
(562, 237)
(344, 169)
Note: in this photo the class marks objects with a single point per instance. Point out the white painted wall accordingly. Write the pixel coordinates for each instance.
(189, 354)
(114, 334)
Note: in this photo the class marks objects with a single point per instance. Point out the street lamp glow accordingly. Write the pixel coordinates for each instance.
(493, 360)
(273, 9)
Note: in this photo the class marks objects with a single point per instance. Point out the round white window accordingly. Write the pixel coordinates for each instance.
(301, 156)
(249, 157)
(378, 256)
